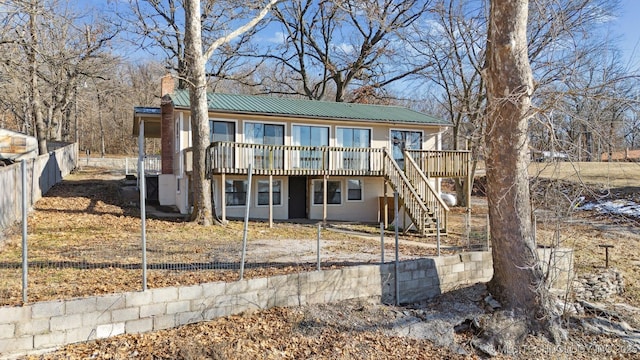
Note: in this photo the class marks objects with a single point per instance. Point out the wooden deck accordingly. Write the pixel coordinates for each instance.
(289, 160)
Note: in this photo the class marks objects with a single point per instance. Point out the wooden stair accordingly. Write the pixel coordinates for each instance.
(422, 203)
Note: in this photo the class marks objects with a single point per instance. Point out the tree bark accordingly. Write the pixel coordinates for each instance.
(518, 278)
(36, 103)
(195, 60)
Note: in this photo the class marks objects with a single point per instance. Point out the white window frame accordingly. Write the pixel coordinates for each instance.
(178, 131)
(283, 124)
(236, 135)
(361, 181)
(335, 138)
(422, 140)
(257, 192)
(311, 125)
(296, 156)
(321, 182)
(247, 193)
(369, 156)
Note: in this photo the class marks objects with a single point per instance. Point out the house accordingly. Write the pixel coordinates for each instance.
(625, 155)
(310, 159)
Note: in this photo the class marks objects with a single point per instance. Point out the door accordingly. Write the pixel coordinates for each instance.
(297, 197)
(404, 140)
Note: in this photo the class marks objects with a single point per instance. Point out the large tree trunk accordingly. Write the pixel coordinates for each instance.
(518, 279)
(195, 61)
(36, 103)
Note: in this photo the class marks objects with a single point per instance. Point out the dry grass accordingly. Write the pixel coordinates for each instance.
(84, 239)
(101, 223)
(562, 183)
(605, 174)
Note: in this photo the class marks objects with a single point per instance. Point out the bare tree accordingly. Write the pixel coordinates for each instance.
(159, 26)
(518, 280)
(454, 44)
(330, 48)
(51, 51)
(72, 53)
(195, 63)
(31, 48)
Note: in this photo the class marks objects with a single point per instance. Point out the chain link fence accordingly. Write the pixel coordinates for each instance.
(85, 239)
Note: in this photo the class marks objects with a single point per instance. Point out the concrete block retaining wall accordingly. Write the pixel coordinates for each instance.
(51, 324)
(425, 278)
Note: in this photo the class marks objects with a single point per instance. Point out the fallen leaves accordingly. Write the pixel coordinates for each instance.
(268, 334)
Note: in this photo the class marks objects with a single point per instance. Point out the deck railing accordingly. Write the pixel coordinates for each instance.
(230, 157)
(442, 163)
(152, 164)
(416, 208)
(426, 191)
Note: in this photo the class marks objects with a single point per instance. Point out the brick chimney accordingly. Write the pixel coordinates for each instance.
(167, 85)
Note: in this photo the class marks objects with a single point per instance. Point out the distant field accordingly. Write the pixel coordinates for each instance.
(610, 174)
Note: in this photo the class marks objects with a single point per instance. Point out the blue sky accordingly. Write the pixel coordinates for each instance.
(625, 30)
(628, 27)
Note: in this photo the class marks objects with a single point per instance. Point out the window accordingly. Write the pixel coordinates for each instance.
(350, 137)
(334, 192)
(263, 192)
(354, 138)
(256, 133)
(354, 190)
(267, 134)
(235, 192)
(311, 137)
(305, 135)
(222, 131)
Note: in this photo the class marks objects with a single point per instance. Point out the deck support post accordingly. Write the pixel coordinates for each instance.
(223, 202)
(324, 199)
(271, 201)
(386, 204)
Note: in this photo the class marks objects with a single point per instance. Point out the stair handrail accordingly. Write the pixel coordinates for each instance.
(432, 191)
(426, 190)
(416, 208)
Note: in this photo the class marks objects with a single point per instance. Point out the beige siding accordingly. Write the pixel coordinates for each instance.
(366, 210)
(280, 212)
(357, 211)
(379, 133)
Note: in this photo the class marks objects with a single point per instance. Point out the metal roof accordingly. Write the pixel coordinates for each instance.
(266, 105)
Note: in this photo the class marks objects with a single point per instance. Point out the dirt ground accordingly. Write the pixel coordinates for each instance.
(442, 328)
(84, 239)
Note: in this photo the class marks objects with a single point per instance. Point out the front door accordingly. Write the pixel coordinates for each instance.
(402, 140)
(297, 197)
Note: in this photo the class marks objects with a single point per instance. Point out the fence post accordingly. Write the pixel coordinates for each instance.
(318, 248)
(25, 262)
(143, 205)
(488, 237)
(467, 227)
(246, 223)
(397, 262)
(437, 230)
(382, 242)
